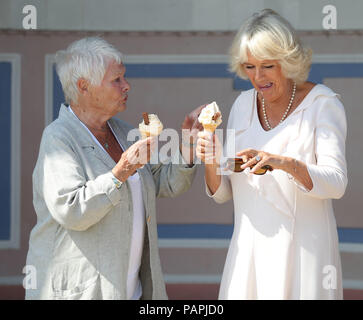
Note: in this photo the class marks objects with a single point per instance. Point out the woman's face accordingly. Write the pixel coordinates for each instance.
(111, 95)
(267, 78)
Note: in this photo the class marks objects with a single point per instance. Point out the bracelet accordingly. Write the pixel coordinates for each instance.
(117, 182)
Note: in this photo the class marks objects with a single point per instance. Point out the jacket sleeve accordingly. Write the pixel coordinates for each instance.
(172, 177)
(59, 180)
(224, 191)
(329, 174)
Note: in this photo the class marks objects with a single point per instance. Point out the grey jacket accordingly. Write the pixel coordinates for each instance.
(80, 245)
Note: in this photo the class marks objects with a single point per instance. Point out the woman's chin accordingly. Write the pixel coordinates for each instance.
(122, 107)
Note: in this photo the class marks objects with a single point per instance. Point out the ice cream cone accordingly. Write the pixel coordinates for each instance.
(151, 127)
(210, 117)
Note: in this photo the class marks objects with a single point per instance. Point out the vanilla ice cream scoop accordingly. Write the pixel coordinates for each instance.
(210, 117)
(150, 125)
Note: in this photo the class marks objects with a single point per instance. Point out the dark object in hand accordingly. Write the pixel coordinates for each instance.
(234, 164)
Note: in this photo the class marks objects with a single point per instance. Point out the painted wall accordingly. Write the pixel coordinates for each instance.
(176, 59)
(174, 15)
(194, 231)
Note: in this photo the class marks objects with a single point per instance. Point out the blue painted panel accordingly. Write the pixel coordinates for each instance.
(178, 70)
(318, 72)
(58, 96)
(195, 231)
(5, 143)
(224, 231)
(352, 235)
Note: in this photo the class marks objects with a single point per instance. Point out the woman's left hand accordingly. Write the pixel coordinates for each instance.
(191, 126)
(259, 159)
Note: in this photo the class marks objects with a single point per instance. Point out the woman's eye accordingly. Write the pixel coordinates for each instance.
(249, 67)
(269, 66)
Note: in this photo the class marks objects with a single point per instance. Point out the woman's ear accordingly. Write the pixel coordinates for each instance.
(82, 85)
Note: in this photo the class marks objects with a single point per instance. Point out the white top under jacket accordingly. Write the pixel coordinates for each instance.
(134, 290)
(285, 242)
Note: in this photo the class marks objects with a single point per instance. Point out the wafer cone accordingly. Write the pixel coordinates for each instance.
(144, 134)
(210, 128)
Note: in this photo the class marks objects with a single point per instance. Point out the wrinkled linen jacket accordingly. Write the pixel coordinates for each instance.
(80, 245)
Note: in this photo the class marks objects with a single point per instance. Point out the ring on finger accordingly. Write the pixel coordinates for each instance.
(258, 158)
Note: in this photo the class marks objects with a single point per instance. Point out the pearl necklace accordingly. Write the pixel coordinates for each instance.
(286, 112)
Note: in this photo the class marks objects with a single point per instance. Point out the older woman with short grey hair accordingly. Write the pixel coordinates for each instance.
(96, 231)
(286, 162)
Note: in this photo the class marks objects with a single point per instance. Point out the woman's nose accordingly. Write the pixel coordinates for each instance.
(259, 74)
(125, 86)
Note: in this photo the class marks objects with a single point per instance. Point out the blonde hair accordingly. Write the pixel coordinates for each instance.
(268, 36)
(86, 58)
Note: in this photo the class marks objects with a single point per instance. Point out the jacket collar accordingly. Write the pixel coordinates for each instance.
(84, 138)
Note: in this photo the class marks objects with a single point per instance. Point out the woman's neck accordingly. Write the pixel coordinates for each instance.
(93, 120)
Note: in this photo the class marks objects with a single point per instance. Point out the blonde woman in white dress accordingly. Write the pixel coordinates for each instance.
(285, 242)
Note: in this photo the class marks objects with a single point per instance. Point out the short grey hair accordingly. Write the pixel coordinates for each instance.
(87, 58)
(268, 36)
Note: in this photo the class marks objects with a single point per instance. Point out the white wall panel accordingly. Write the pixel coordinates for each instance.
(173, 15)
